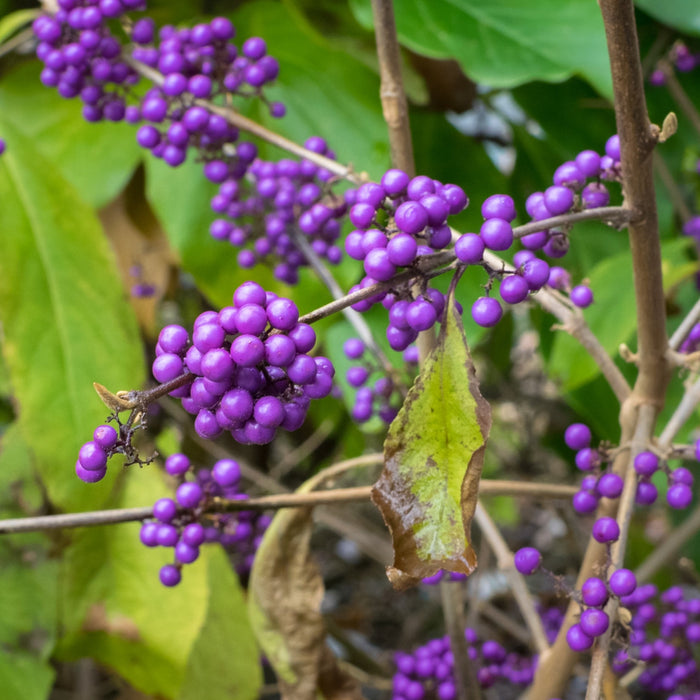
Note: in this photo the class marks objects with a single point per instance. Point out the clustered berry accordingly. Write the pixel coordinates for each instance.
(569, 193)
(252, 373)
(428, 672)
(184, 524)
(397, 221)
(91, 465)
(664, 636)
(378, 393)
(273, 203)
(82, 58)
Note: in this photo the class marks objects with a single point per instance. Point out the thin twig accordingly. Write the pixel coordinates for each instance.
(270, 502)
(616, 217)
(517, 583)
(686, 326)
(669, 547)
(684, 410)
(452, 596)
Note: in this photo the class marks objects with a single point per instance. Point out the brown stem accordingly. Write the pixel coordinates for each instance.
(617, 217)
(637, 142)
(393, 96)
(275, 501)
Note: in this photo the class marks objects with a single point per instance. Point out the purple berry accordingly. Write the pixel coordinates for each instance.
(486, 311)
(164, 510)
(497, 234)
(581, 296)
(679, 496)
(92, 457)
(605, 530)
(514, 289)
(499, 206)
(646, 494)
(170, 575)
(577, 639)
(594, 622)
(527, 560)
(189, 494)
(105, 436)
(623, 582)
(411, 217)
(469, 248)
(610, 485)
(594, 592)
(558, 199)
(646, 463)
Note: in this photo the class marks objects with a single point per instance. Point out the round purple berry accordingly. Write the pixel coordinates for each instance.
(527, 560)
(606, 530)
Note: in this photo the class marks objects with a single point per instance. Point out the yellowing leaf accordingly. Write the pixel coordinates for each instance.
(433, 455)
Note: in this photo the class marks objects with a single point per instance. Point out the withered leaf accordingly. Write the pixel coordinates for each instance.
(285, 594)
(433, 455)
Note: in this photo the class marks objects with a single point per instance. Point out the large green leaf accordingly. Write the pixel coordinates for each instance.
(24, 677)
(224, 663)
(115, 608)
(66, 322)
(327, 91)
(504, 43)
(97, 159)
(684, 15)
(433, 456)
(612, 316)
(28, 605)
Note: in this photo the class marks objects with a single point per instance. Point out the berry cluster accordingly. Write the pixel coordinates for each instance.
(664, 637)
(91, 465)
(185, 525)
(251, 371)
(199, 63)
(396, 221)
(595, 592)
(378, 393)
(605, 484)
(82, 58)
(532, 273)
(275, 202)
(429, 671)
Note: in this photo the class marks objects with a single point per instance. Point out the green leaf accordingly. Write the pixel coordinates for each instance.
(433, 456)
(24, 677)
(97, 159)
(504, 43)
(340, 102)
(683, 15)
(65, 320)
(9, 24)
(612, 317)
(224, 663)
(115, 609)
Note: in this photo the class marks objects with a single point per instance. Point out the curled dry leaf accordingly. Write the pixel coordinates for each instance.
(285, 594)
(433, 456)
